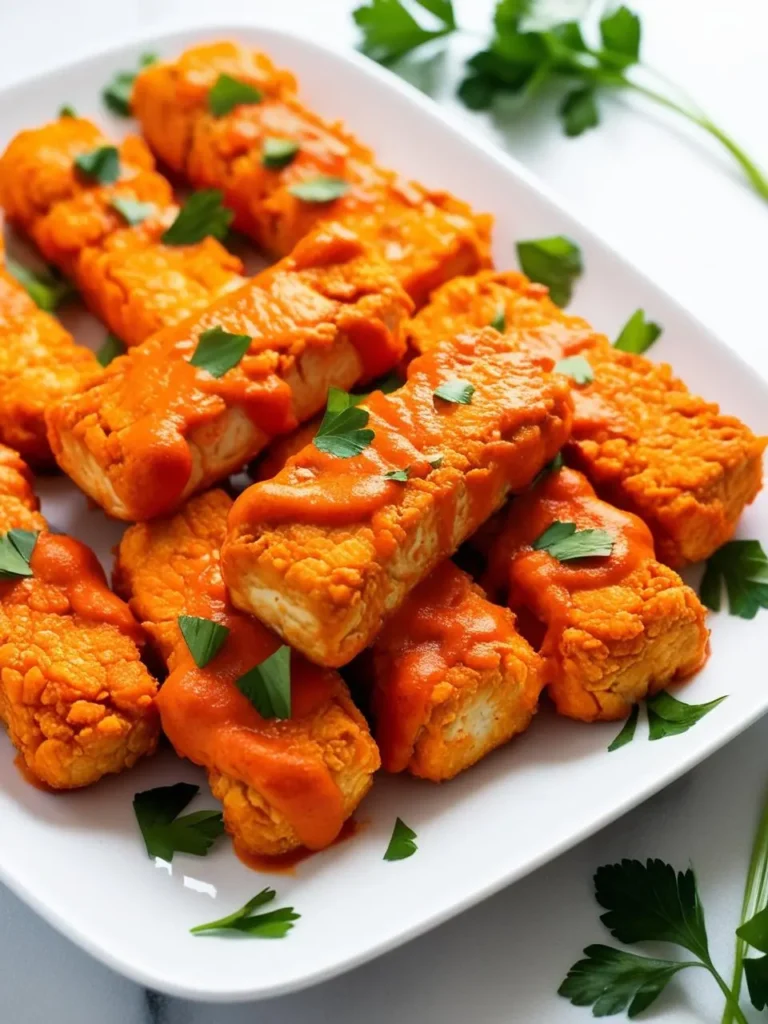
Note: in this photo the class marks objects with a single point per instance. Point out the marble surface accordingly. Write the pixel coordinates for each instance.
(671, 203)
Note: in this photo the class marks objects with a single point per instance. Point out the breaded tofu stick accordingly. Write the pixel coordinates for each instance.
(283, 783)
(331, 546)
(155, 428)
(74, 695)
(128, 277)
(616, 628)
(452, 678)
(427, 237)
(39, 363)
(645, 442)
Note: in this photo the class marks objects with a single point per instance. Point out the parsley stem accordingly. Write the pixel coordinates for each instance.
(732, 1003)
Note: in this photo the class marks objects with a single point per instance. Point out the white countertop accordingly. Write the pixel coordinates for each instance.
(667, 199)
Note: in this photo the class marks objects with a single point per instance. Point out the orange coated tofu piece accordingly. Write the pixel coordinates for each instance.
(645, 442)
(612, 629)
(283, 783)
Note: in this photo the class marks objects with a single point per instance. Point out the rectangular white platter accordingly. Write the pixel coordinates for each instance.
(78, 858)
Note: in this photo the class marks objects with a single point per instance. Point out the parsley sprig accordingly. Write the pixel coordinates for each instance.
(274, 924)
(343, 431)
(402, 844)
(16, 547)
(218, 351)
(667, 716)
(46, 288)
(268, 685)
(117, 93)
(202, 214)
(534, 49)
(565, 542)
(638, 334)
(165, 833)
(743, 567)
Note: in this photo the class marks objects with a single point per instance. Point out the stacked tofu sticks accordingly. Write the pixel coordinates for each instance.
(342, 553)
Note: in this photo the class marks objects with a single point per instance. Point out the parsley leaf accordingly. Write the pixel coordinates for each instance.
(458, 392)
(164, 832)
(203, 637)
(620, 33)
(756, 972)
(16, 547)
(228, 93)
(131, 210)
(46, 288)
(638, 334)
(390, 31)
(743, 566)
(565, 543)
(323, 188)
(575, 367)
(555, 262)
(110, 349)
(400, 475)
(117, 93)
(102, 164)
(218, 351)
(275, 924)
(402, 844)
(67, 111)
(627, 733)
(201, 216)
(277, 153)
(578, 111)
(499, 321)
(668, 716)
(341, 431)
(268, 685)
(435, 461)
(755, 931)
(611, 980)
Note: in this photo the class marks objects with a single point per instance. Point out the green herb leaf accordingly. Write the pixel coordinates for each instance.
(435, 461)
(565, 543)
(16, 547)
(542, 15)
(203, 637)
(756, 972)
(131, 210)
(268, 685)
(611, 980)
(638, 334)
(390, 31)
(201, 216)
(575, 367)
(388, 383)
(102, 164)
(111, 349)
(46, 288)
(228, 93)
(743, 567)
(627, 733)
(579, 112)
(67, 111)
(400, 475)
(555, 262)
(652, 903)
(620, 32)
(341, 431)
(402, 844)
(277, 153)
(275, 924)
(668, 716)
(164, 832)
(117, 93)
(321, 189)
(499, 321)
(458, 392)
(755, 931)
(218, 351)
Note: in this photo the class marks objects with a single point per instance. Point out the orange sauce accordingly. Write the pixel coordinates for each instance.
(285, 863)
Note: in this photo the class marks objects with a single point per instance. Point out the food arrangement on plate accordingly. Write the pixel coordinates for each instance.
(399, 404)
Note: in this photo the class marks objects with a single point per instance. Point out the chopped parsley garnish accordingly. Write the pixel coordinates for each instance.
(46, 288)
(743, 567)
(218, 351)
(228, 93)
(16, 547)
(132, 211)
(627, 733)
(117, 93)
(164, 832)
(435, 461)
(342, 431)
(499, 321)
(578, 111)
(201, 216)
(575, 367)
(321, 189)
(390, 31)
(203, 637)
(400, 475)
(458, 392)
(402, 844)
(555, 262)
(67, 111)
(277, 153)
(268, 685)
(102, 164)
(110, 349)
(638, 334)
(275, 924)
(668, 716)
(565, 543)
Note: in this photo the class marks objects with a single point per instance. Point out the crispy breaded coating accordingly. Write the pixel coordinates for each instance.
(74, 695)
(616, 628)
(128, 277)
(426, 236)
(39, 363)
(282, 448)
(645, 442)
(330, 546)
(282, 783)
(154, 428)
(452, 678)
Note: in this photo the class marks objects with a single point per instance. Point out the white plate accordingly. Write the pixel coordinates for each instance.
(78, 858)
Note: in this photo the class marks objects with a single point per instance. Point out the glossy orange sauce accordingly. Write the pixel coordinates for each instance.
(286, 863)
